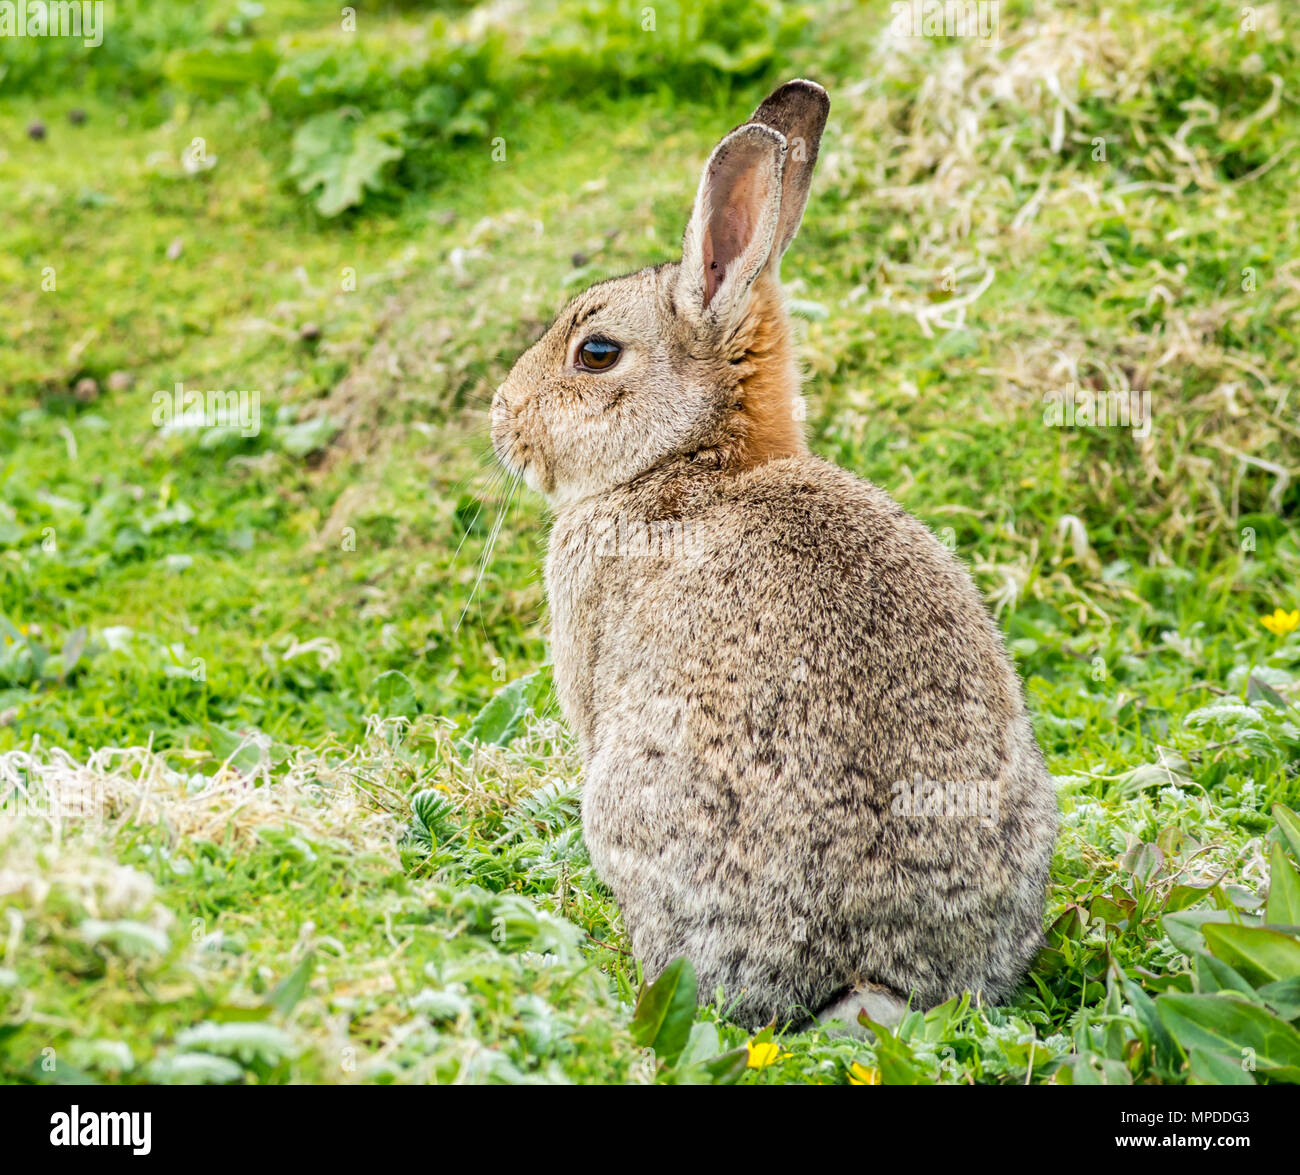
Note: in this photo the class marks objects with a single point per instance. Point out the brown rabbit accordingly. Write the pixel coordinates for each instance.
(807, 761)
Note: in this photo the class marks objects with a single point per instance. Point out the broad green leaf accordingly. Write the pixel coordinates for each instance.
(938, 1023)
(1260, 954)
(245, 752)
(1068, 928)
(665, 1011)
(894, 1057)
(397, 696)
(293, 987)
(1288, 827)
(727, 1068)
(1145, 1008)
(220, 70)
(1186, 928)
(502, 718)
(1283, 997)
(1108, 910)
(703, 1054)
(1144, 861)
(73, 646)
(1283, 906)
(339, 156)
(1090, 1068)
(703, 1044)
(1211, 1068)
(1215, 975)
(1182, 896)
(1228, 1025)
(1114, 1030)
(1257, 689)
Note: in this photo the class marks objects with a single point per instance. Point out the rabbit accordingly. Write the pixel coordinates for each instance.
(807, 762)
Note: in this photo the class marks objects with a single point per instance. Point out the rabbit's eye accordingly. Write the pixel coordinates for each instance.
(598, 354)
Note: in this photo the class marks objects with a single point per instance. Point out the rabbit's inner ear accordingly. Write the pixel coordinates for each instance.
(734, 225)
(731, 230)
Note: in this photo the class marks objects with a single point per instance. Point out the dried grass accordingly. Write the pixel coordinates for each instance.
(942, 141)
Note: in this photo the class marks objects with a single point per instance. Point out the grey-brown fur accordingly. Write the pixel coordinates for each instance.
(773, 671)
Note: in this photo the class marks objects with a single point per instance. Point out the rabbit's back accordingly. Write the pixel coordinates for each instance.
(807, 759)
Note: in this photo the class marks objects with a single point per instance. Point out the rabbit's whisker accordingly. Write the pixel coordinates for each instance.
(489, 547)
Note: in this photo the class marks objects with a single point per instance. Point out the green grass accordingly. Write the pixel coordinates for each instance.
(242, 606)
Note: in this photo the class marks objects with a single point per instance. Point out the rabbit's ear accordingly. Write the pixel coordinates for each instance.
(798, 111)
(734, 224)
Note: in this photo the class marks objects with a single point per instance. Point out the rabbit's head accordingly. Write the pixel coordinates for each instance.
(679, 362)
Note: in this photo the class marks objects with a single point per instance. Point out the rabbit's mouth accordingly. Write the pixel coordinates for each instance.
(506, 438)
(515, 452)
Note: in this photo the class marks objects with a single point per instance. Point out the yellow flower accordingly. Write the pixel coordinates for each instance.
(859, 1075)
(1280, 623)
(763, 1053)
